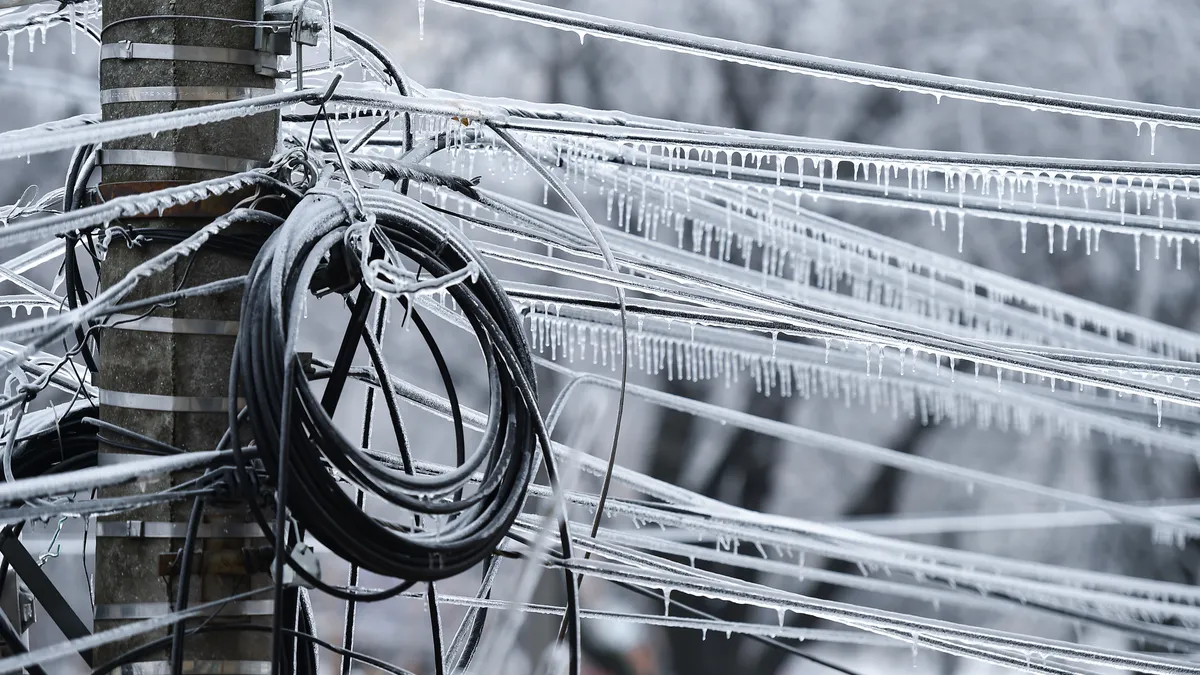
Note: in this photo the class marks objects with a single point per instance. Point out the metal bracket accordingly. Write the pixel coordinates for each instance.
(166, 324)
(163, 403)
(180, 94)
(127, 50)
(16, 601)
(44, 590)
(151, 610)
(142, 529)
(309, 22)
(198, 667)
(306, 557)
(181, 160)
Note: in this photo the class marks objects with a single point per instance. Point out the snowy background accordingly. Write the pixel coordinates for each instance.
(1129, 49)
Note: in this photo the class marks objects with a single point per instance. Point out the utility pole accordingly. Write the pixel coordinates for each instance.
(166, 376)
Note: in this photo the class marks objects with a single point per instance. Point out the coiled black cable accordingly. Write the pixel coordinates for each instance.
(316, 499)
(300, 444)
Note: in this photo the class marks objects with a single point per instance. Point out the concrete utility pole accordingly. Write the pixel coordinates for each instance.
(167, 376)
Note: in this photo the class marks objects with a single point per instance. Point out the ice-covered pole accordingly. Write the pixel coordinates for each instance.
(166, 375)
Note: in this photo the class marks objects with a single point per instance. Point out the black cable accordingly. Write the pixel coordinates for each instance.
(321, 507)
(348, 627)
(240, 245)
(365, 42)
(184, 584)
(435, 625)
(359, 310)
(142, 651)
(73, 290)
(301, 444)
(774, 643)
(9, 531)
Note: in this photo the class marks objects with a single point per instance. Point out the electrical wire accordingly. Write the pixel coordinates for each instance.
(184, 584)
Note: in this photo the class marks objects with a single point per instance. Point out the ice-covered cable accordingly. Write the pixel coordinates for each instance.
(838, 69)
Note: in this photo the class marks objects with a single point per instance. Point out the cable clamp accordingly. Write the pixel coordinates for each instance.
(303, 22)
(306, 558)
(223, 484)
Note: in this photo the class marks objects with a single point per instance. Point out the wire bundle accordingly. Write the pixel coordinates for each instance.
(295, 432)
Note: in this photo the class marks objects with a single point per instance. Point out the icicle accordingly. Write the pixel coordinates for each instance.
(421, 18)
(71, 18)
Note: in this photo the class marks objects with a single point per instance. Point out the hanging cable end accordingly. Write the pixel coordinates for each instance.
(330, 88)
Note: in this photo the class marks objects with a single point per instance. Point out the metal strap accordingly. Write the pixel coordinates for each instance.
(182, 160)
(159, 52)
(198, 668)
(166, 324)
(151, 610)
(140, 529)
(159, 402)
(111, 458)
(180, 94)
(45, 591)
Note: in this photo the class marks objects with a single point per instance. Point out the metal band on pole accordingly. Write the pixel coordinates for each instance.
(140, 529)
(182, 160)
(161, 52)
(151, 610)
(180, 94)
(191, 404)
(166, 324)
(196, 667)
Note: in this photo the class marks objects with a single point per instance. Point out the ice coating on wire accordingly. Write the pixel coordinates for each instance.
(847, 71)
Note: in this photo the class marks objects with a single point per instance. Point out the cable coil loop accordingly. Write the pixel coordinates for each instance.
(473, 519)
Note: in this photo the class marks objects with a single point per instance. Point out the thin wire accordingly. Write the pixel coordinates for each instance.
(594, 229)
(359, 495)
(837, 69)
